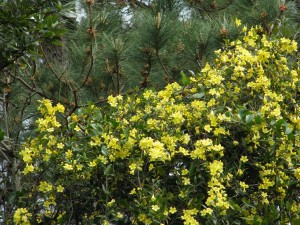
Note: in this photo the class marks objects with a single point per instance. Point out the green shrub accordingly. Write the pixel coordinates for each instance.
(221, 149)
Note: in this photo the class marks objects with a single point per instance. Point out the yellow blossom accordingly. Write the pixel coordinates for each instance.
(22, 216)
(207, 211)
(155, 207)
(68, 166)
(60, 188)
(172, 210)
(93, 163)
(29, 168)
(45, 187)
(237, 22)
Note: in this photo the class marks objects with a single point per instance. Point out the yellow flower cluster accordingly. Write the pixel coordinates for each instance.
(49, 122)
(45, 187)
(22, 216)
(188, 216)
(230, 137)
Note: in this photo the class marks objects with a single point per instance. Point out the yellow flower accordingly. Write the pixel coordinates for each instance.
(172, 210)
(60, 108)
(111, 203)
(68, 166)
(207, 128)
(60, 188)
(244, 186)
(79, 167)
(119, 215)
(133, 191)
(177, 118)
(22, 216)
(183, 151)
(186, 181)
(74, 118)
(244, 159)
(93, 163)
(216, 167)
(297, 173)
(60, 145)
(113, 101)
(77, 128)
(207, 211)
(264, 196)
(155, 207)
(184, 172)
(188, 217)
(28, 169)
(45, 187)
(69, 154)
(237, 22)
(105, 222)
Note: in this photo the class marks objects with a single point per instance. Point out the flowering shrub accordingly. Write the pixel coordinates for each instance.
(222, 149)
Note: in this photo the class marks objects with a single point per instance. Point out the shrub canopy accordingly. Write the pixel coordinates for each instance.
(221, 148)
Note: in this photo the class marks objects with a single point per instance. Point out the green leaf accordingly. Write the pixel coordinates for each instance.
(108, 170)
(249, 118)
(11, 198)
(104, 150)
(280, 122)
(258, 119)
(57, 43)
(242, 113)
(288, 130)
(184, 79)
(198, 95)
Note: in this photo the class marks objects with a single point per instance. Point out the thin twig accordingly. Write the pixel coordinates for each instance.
(163, 66)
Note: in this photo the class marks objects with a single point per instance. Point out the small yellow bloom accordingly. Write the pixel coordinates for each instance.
(186, 181)
(69, 154)
(79, 167)
(133, 191)
(207, 211)
(60, 108)
(184, 172)
(22, 216)
(119, 215)
(237, 22)
(297, 173)
(172, 210)
(93, 163)
(28, 169)
(244, 159)
(111, 203)
(45, 187)
(60, 188)
(68, 166)
(77, 128)
(74, 117)
(105, 222)
(155, 208)
(244, 186)
(60, 145)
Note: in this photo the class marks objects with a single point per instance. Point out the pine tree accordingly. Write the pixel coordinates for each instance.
(138, 44)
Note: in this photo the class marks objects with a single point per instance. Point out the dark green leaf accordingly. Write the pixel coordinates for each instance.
(2, 134)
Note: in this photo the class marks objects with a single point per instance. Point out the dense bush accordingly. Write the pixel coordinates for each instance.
(222, 148)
